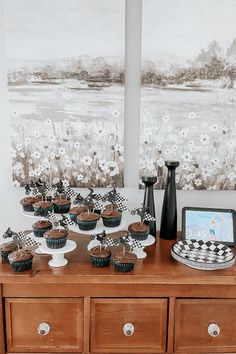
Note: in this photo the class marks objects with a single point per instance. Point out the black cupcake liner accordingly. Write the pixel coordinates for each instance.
(56, 243)
(111, 222)
(100, 262)
(4, 256)
(139, 236)
(43, 211)
(39, 232)
(21, 266)
(61, 209)
(86, 225)
(28, 207)
(123, 267)
(73, 217)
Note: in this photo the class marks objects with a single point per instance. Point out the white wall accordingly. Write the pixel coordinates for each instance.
(10, 209)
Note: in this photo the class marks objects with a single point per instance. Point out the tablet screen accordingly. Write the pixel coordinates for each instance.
(206, 224)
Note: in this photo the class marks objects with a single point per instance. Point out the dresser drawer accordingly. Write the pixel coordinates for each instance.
(205, 325)
(44, 325)
(128, 325)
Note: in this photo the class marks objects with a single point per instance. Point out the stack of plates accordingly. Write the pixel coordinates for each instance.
(204, 255)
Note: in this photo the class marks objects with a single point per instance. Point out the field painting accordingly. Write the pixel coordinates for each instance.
(66, 90)
(188, 95)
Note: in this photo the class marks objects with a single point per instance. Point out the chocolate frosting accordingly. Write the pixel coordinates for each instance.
(8, 247)
(41, 224)
(138, 227)
(100, 252)
(111, 214)
(88, 216)
(43, 204)
(128, 257)
(56, 233)
(62, 202)
(20, 255)
(28, 201)
(77, 210)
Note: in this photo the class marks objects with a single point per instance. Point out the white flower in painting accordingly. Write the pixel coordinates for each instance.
(189, 177)
(174, 147)
(14, 133)
(190, 143)
(37, 172)
(36, 134)
(188, 187)
(103, 179)
(65, 182)
(232, 176)
(212, 188)
(186, 156)
(86, 179)
(192, 115)
(198, 182)
(177, 178)
(204, 124)
(103, 164)
(52, 138)
(30, 161)
(68, 163)
(18, 166)
(61, 150)
(52, 155)
(121, 158)
(185, 166)
(118, 148)
(147, 131)
(114, 172)
(231, 143)
(215, 161)
(221, 178)
(13, 153)
(81, 170)
(48, 121)
(204, 138)
(183, 133)
(86, 160)
(27, 141)
(160, 162)
(206, 172)
(80, 177)
(40, 168)
(103, 147)
(214, 127)
(76, 145)
(165, 118)
(193, 149)
(167, 152)
(36, 154)
(18, 147)
(116, 114)
(100, 132)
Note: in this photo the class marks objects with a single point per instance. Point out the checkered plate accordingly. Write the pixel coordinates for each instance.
(203, 255)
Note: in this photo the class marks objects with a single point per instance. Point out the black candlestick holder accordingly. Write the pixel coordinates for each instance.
(168, 228)
(148, 201)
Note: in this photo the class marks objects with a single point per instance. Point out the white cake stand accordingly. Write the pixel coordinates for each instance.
(58, 259)
(140, 253)
(40, 240)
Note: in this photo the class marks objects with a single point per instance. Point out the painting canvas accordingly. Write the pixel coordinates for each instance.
(188, 94)
(66, 90)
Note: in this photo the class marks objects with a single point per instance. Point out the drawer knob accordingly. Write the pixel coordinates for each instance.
(213, 329)
(128, 329)
(43, 329)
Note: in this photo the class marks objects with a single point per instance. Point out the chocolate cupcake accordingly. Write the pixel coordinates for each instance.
(73, 212)
(87, 221)
(60, 197)
(61, 206)
(43, 207)
(27, 203)
(100, 256)
(56, 238)
(20, 260)
(111, 218)
(139, 230)
(124, 262)
(6, 249)
(40, 227)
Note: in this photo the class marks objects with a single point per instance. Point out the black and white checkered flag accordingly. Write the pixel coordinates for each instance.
(121, 207)
(53, 218)
(98, 196)
(119, 198)
(148, 217)
(35, 191)
(28, 241)
(49, 190)
(70, 192)
(98, 206)
(67, 221)
(111, 242)
(135, 244)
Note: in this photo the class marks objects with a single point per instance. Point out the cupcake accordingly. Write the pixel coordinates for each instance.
(100, 256)
(124, 262)
(27, 203)
(43, 207)
(61, 206)
(73, 212)
(87, 221)
(139, 230)
(111, 218)
(56, 238)
(60, 197)
(20, 260)
(40, 227)
(6, 249)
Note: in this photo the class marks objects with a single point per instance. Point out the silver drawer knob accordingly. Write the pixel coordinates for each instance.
(213, 329)
(128, 329)
(43, 329)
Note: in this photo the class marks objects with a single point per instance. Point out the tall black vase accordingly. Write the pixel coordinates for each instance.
(168, 228)
(148, 202)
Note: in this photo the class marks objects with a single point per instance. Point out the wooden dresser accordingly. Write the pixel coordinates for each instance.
(161, 306)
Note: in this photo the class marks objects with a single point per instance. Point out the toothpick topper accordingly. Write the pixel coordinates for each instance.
(142, 212)
(115, 198)
(64, 221)
(60, 189)
(79, 199)
(19, 238)
(104, 240)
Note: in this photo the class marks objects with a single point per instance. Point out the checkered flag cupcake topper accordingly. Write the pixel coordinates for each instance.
(64, 221)
(69, 192)
(115, 198)
(19, 238)
(135, 244)
(143, 213)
